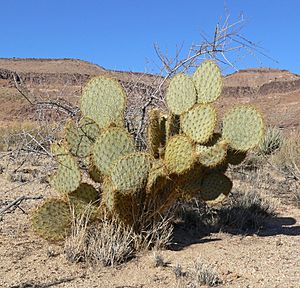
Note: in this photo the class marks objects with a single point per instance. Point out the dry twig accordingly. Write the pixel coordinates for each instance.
(16, 203)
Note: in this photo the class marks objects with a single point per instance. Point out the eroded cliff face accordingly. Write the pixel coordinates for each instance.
(276, 92)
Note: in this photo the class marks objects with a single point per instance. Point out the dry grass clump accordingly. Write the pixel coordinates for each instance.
(204, 274)
(110, 243)
(247, 211)
(106, 242)
(287, 158)
(201, 274)
(195, 215)
(272, 141)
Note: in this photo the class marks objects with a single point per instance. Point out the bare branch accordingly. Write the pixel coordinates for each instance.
(32, 99)
(15, 204)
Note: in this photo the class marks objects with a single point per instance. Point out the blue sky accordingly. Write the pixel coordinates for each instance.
(120, 34)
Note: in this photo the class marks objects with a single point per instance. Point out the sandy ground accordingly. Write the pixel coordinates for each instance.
(268, 259)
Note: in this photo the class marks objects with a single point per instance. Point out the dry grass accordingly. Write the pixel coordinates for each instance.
(204, 274)
(110, 243)
(247, 211)
(75, 244)
(107, 242)
(201, 274)
(272, 141)
(287, 158)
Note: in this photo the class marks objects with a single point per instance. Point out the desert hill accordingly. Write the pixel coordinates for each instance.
(276, 92)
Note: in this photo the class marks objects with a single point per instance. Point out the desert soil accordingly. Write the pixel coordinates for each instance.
(270, 258)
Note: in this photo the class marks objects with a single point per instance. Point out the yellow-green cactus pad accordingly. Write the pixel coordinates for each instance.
(243, 127)
(103, 100)
(163, 197)
(80, 138)
(107, 199)
(211, 156)
(189, 183)
(130, 173)
(180, 154)
(90, 128)
(215, 186)
(126, 207)
(208, 82)
(52, 220)
(85, 193)
(161, 190)
(67, 177)
(181, 94)
(112, 144)
(199, 122)
(157, 177)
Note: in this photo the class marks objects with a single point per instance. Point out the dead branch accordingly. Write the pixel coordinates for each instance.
(33, 100)
(15, 204)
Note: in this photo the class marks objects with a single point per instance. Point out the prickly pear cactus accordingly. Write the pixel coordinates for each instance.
(187, 156)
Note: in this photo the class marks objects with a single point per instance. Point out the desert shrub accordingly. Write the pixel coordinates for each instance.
(204, 274)
(195, 216)
(271, 142)
(287, 159)
(246, 211)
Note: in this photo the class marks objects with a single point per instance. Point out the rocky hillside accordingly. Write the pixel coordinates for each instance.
(275, 92)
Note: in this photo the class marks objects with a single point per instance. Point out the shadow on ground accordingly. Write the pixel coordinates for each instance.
(186, 234)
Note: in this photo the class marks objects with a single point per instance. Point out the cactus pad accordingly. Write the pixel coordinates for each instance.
(129, 173)
(189, 183)
(180, 154)
(67, 177)
(80, 138)
(215, 186)
(199, 122)
(52, 220)
(107, 194)
(112, 144)
(85, 193)
(181, 94)
(103, 100)
(208, 82)
(243, 127)
(157, 177)
(213, 155)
